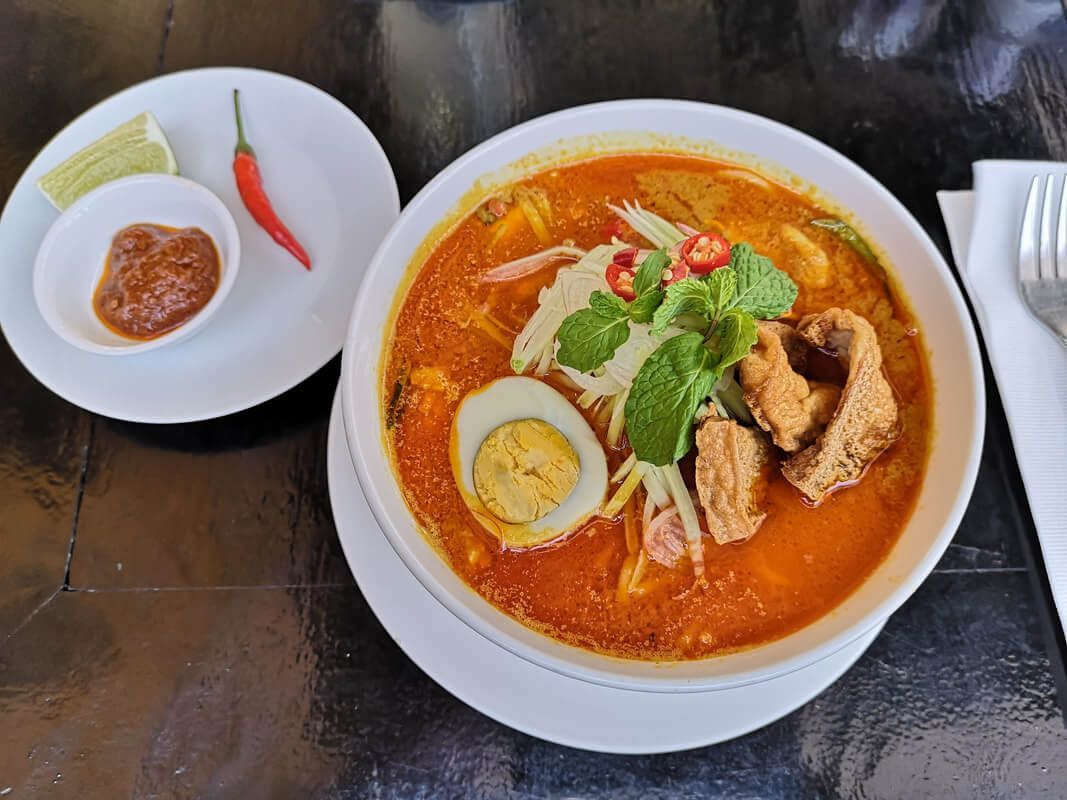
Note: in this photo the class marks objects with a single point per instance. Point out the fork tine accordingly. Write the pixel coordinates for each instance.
(1046, 265)
(1028, 235)
(1061, 232)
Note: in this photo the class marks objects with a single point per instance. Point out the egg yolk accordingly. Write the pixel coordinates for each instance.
(524, 469)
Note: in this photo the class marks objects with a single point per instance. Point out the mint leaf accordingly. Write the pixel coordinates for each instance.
(650, 273)
(733, 337)
(687, 296)
(664, 398)
(688, 321)
(590, 336)
(763, 291)
(642, 309)
(607, 304)
(722, 283)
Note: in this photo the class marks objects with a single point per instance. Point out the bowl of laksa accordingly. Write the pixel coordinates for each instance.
(663, 396)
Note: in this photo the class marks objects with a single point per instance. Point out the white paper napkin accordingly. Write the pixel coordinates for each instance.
(1029, 364)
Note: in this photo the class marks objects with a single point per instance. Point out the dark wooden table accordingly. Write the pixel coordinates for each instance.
(176, 617)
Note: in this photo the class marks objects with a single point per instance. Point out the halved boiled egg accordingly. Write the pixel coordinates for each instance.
(527, 463)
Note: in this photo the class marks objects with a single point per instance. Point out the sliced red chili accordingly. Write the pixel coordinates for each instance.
(704, 252)
(614, 228)
(678, 270)
(621, 280)
(626, 258)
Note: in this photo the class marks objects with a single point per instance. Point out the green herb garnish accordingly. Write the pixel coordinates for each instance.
(722, 284)
(650, 273)
(718, 311)
(673, 382)
(846, 233)
(589, 337)
(666, 392)
(762, 290)
(732, 338)
(643, 308)
(687, 296)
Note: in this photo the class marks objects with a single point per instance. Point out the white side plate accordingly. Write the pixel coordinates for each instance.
(328, 179)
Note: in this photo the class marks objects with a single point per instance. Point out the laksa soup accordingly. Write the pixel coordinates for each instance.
(656, 406)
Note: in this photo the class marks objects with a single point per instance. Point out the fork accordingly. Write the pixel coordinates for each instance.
(1043, 256)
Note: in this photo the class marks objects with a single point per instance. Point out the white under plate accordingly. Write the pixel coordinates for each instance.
(548, 705)
(329, 181)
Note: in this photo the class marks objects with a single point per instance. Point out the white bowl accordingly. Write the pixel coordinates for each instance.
(72, 256)
(959, 395)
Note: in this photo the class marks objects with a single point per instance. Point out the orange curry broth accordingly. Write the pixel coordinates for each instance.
(800, 564)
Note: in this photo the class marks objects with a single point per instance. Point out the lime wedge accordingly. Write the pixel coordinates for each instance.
(133, 147)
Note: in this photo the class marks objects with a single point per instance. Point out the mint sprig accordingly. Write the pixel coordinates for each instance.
(687, 296)
(673, 382)
(722, 285)
(680, 374)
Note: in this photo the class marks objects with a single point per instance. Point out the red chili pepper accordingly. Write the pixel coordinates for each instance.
(614, 228)
(705, 252)
(678, 270)
(250, 187)
(621, 280)
(626, 258)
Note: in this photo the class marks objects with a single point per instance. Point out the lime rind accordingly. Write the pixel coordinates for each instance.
(134, 147)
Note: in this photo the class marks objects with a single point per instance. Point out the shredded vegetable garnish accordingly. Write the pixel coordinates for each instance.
(490, 328)
(652, 226)
(544, 363)
(601, 384)
(622, 494)
(506, 227)
(630, 524)
(648, 511)
(638, 572)
(622, 587)
(587, 398)
(729, 399)
(618, 420)
(605, 407)
(531, 208)
(569, 293)
(528, 265)
(624, 468)
(655, 488)
(680, 494)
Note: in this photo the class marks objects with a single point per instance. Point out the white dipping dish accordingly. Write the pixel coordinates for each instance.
(632, 126)
(74, 252)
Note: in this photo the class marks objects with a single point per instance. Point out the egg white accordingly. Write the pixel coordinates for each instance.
(514, 398)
